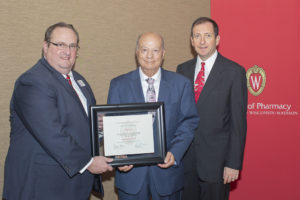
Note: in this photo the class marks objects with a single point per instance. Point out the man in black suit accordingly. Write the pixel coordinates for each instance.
(215, 156)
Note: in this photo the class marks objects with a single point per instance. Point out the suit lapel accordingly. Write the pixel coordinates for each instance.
(190, 73)
(164, 88)
(212, 80)
(136, 86)
(64, 83)
(84, 88)
(69, 89)
(72, 91)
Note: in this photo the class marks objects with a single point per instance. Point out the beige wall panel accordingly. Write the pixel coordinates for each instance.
(108, 32)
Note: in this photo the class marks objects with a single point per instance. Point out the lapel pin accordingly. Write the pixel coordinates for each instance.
(81, 83)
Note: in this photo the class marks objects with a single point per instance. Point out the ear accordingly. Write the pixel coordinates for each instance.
(192, 41)
(218, 40)
(45, 47)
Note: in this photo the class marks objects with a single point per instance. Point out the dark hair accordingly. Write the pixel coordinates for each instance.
(49, 30)
(202, 20)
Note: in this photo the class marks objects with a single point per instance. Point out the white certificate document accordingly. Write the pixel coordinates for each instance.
(130, 134)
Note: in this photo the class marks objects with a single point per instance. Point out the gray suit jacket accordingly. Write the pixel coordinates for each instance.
(222, 107)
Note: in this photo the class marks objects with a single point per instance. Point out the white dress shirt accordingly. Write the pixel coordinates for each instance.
(208, 65)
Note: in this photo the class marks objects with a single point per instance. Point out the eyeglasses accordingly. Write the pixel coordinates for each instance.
(63, 46)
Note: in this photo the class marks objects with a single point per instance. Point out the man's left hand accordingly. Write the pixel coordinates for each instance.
(169, 161)
(230, 175)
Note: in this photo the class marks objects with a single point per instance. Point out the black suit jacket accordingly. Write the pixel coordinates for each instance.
(222, 106)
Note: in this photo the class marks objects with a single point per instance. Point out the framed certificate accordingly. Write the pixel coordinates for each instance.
(131, 134)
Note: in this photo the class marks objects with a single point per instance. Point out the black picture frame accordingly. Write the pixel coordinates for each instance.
(157, 110)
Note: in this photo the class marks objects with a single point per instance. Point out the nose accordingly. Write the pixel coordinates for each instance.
(202, 40)
(149, 54)
(67, 50)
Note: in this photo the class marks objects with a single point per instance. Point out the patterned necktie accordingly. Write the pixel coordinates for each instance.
(150, 94)
(199, 83)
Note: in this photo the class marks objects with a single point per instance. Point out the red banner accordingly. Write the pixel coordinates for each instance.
(264, 37)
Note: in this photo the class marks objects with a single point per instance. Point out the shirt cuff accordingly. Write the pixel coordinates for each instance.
(86, 166)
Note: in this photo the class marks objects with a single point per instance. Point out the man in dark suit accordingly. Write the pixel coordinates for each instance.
(162, 181)
(215, 156)
(49, 156)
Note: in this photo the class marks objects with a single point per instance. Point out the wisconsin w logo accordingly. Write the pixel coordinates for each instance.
(256, 80)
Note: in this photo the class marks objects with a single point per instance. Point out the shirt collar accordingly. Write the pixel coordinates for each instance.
(70, 74)
(209, 62)
(156, 76)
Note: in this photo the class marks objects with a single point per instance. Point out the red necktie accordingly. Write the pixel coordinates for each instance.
(199, 83)
(70, 82)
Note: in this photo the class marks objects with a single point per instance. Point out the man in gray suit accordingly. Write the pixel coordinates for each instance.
(49, 156)
(215, 156)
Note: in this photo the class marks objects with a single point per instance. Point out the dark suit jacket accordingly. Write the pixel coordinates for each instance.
(181, 120)
(50, 138)
(222, 106)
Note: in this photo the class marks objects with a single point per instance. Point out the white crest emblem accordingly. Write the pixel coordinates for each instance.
(256, 80)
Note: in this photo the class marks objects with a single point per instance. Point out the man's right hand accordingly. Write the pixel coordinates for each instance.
(100, 165)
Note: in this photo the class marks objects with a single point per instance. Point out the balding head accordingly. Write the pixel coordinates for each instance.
(149, 33)
(150, 52)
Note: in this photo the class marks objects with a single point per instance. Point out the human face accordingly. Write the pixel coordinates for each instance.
(61, 59)
(204, 40)
(150, 53)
